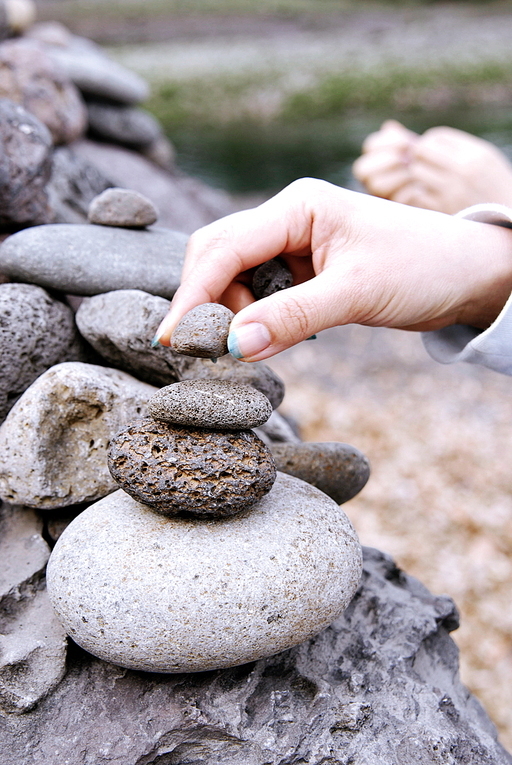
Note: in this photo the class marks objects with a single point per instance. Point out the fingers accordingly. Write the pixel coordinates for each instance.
(391, 134)
(382, 173)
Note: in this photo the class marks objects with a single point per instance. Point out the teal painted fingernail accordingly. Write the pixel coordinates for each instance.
(155, 342)
(248, 340)
(313, 337)
(233, 346)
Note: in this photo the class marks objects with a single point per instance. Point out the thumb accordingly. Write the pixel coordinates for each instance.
(285, 318)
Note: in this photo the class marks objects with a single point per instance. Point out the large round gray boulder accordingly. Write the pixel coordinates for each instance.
(175, 595)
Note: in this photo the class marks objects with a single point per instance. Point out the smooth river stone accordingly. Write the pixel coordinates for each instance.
(174, 595)
(126, 125)
(203, 331)
(122, 208)
(217, 404)
(207, 473)
(88, 260)
(337, 469)
(54, 441)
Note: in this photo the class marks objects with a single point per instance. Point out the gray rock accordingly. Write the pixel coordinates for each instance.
(162, 152)
(339, 470)
(185, 204)
(54, 441)
(32, 642)
(88, 260)
(277, 430)
(204, 473)
(50, 33)
(380, 685)
(203, 332)
(217, 404)
(270, 277)
(73, 184)
(97, 75)
(207, 595)
(29, 77)
(5, 29)
(123, 208)
(120, 326)
(126, 125)
(25, 166)
(36, 332)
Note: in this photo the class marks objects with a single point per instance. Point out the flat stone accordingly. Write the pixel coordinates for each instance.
(126, 125)
(24, 555)
(203, 332)
(25, 166)
(73, 184)
(337, 469)
(205, 473)
(53, 443)
(271, 277)
(88, 260)
(120, 326)
(216, 404)
(183, 596)
(122, 207)
(36, 332)
(30, 77)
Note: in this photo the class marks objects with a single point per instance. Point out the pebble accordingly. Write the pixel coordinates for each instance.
(216, 404)
(125, 125)
(21, 14)
(270, 277)
(54, 441)
(25, 167)
(207, 473)
(89, 260)
(203, 332)
(174, 595)
(337, 469)
(30, 77)
(123, 208)
(36, 332)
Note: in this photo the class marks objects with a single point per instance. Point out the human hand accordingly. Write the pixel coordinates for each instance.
(383, 167)
(354, 259)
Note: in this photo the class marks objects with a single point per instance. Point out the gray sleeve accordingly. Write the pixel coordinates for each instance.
(492, 347)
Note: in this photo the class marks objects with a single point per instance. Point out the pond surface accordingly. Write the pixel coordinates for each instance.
(249, 157)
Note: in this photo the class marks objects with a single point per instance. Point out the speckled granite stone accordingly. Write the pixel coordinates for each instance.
(217, 404)
(208, 473)
(174, 595)
(203, 332)
(270, 277)
(123, 208)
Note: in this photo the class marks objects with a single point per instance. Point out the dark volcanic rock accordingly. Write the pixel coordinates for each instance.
(88, 260)
(123, 208)
(380, 686)
(337, 469)
(217, 404)
(270, 277)
(73, 184)
(183, 470)
(29, 77)
(126, 125)
(203, 331)
(25, 166)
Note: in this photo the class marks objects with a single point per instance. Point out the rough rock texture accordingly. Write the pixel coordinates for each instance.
(270, 277)
(122, 207)
(73, 184)
(36, 332)
(126, 125)
(207, 595)
(120, 326)
(203, 332)
(380, 686)
(88, 260)
(339, 470)
(30, 77)
(53, 443)
(217, 404)
(25, 166)
(32, 642)
(185, 204)
(207, 473)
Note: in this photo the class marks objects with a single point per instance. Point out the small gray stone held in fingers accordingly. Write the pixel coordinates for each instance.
(206, 473)
(203, 332)
(123, 208)
(272, 276)
(217, 404)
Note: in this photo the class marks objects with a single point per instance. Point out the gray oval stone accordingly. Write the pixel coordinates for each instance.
(175, 595)
(337, 469)
(216, 404)
(123, 208)
(203, 332)
(208, 473)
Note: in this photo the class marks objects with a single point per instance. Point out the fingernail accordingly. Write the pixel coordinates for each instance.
(155, 341)
(248, 340)
(313, 337)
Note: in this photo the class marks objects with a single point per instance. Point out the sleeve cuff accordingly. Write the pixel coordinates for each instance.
(492, 347)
